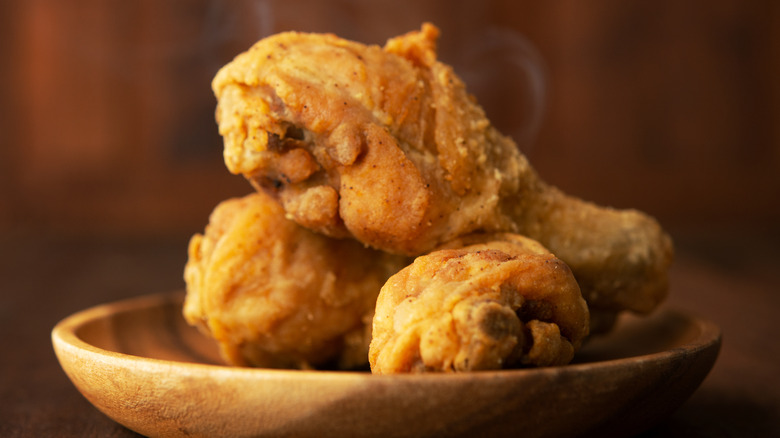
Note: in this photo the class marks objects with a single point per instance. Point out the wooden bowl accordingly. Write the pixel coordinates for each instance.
(142, 365)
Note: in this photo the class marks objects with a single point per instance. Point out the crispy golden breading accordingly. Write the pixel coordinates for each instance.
(275, 294)
(386, 146)
(485, 306)
(602, 319)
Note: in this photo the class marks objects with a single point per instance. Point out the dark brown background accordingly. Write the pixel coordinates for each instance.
(110, 158)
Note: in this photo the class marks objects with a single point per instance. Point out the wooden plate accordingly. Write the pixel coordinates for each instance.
(143, 366)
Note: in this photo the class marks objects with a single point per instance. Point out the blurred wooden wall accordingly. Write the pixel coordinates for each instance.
(668, 106)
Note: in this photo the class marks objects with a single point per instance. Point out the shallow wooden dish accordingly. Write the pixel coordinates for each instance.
(143, 366)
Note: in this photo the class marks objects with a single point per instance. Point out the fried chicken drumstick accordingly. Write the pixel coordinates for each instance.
(500, 304)
(274, 294)
(386, 146)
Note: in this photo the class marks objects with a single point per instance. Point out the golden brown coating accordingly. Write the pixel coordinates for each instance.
(385, 145)
(603, 311)
(274, 294)
(485, 306)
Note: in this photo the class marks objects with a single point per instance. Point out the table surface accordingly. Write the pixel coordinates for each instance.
(731, 281)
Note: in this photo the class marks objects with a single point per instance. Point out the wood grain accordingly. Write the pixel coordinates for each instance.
(729, 278)
(142, 365)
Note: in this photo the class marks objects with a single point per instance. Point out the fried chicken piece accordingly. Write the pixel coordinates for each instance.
(385, 145)
(493, 305)
(274, 294)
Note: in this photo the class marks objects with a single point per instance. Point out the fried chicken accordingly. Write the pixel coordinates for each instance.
(500, 304)
(386, 146)
(274, 294)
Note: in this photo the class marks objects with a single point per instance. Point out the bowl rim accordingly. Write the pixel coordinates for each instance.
(66, 341)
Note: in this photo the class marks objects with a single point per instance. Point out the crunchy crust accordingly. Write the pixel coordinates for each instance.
(385, 145)
(490, 305)
(274, 294)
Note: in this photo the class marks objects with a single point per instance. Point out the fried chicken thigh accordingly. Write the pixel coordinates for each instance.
(500, 304)
(274, 294)
(385, 145)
